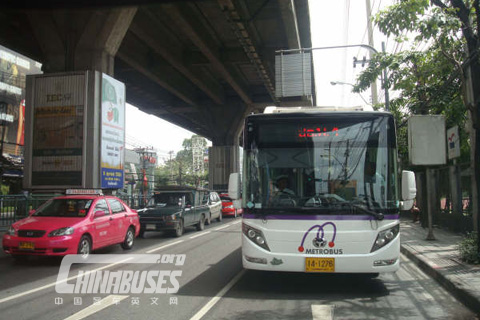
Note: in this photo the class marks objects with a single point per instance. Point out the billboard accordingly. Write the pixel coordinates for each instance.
(75, 131)
(113, 133)
(57, 147)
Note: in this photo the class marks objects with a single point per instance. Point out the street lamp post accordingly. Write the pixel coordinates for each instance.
(334, 83)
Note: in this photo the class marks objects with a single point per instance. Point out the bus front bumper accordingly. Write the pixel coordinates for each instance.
(386, 259)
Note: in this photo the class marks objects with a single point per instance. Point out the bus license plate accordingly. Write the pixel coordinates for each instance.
(319, 264)
(26, 246)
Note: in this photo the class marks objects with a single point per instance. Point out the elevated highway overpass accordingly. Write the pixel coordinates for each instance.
(201, 65)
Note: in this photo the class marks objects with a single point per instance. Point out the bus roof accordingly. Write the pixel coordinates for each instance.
(318, 112)
(273, 109)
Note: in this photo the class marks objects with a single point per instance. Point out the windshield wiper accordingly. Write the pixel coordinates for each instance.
(377, 215)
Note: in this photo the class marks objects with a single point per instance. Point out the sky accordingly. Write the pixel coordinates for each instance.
(145, 130)
(333, 23)
(337, 23)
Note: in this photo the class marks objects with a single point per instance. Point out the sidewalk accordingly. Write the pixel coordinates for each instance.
(440, 259)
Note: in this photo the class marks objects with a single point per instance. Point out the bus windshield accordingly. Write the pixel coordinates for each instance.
(321, 165)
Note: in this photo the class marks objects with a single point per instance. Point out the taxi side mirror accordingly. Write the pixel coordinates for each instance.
(98, 214)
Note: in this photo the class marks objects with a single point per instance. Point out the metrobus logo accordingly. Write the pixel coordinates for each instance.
(319, 242)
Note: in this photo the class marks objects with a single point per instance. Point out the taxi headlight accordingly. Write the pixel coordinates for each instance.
(12, 231)
(61, 232)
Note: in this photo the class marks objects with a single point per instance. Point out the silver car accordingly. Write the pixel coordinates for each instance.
(215, 205)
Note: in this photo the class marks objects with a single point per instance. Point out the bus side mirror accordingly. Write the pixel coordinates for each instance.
(234, 186)
(409, 189)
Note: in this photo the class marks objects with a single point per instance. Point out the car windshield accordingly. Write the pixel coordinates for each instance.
(166, 199)
(68, 208)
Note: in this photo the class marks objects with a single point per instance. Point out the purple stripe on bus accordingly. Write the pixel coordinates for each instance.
(320, 217)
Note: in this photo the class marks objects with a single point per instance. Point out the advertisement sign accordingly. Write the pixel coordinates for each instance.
(57, 145)
(453, 143)
(113, 133)
(426, 140)
(13, 69)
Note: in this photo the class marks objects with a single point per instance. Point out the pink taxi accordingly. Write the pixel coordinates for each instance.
(73, 224)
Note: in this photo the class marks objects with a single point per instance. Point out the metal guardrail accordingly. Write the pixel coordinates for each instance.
(16, 207)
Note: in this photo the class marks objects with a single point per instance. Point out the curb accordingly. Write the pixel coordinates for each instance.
(463, 295)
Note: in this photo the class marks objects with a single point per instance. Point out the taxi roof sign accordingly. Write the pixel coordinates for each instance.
(83, 191)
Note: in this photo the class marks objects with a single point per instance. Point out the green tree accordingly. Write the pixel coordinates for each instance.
(451, 28)
(181, 167)
(430, 81)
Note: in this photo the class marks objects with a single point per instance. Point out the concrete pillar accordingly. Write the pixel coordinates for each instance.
(223, 160)
(80, 40)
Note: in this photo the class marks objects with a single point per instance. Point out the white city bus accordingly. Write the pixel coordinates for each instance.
(321, 192)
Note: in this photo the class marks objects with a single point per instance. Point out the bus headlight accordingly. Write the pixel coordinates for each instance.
(256, 236)
(384, 237)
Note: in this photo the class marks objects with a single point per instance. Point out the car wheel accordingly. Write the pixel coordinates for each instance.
(180, 228)
(84, 246)
(209, 220)
(220, 217)
(201, 223)
(127, 243)
(141, 233)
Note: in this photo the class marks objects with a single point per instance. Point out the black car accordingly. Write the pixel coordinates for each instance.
(173, 208)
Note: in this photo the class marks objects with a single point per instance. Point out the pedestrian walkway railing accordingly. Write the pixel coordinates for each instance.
(16, 207)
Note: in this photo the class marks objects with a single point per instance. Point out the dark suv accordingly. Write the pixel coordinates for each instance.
(173, 208)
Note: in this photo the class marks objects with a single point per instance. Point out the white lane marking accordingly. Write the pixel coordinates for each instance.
(164, 246)
(97, 306)
(322, 312)
(219, 295)
(222, 227)
(21, 294)
(199, 235)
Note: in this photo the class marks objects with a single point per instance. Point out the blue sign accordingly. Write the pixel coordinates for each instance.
(112, 178)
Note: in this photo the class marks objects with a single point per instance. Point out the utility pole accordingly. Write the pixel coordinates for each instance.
(171, 165)
(370, 42)
(147, 160)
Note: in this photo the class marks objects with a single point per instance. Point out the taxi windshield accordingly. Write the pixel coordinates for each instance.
(74, 208)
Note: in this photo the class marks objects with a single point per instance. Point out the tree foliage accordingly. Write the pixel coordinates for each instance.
(429, 76)
(179, 170)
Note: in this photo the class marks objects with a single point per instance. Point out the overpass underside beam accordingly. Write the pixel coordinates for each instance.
(75, 42)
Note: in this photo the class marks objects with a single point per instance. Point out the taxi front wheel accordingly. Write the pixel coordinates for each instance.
(84, 246)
